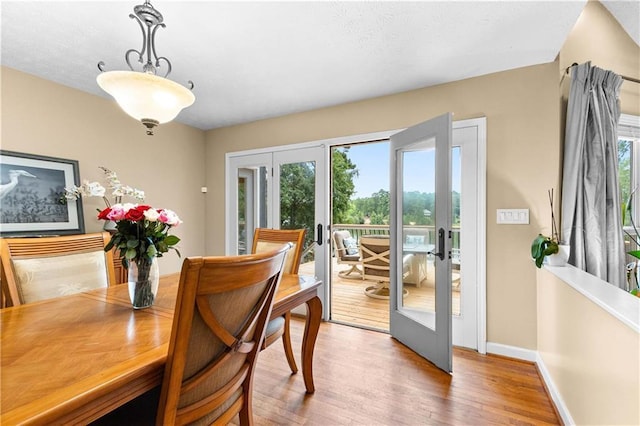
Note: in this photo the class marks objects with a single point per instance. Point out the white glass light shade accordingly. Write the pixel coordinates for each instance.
(146, 96)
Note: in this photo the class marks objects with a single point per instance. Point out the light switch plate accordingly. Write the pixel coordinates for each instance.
(512, 216)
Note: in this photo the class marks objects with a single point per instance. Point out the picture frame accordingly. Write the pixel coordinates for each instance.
(32, 196)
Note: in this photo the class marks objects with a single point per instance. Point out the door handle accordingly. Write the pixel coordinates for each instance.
(440, 253)
(319, 240)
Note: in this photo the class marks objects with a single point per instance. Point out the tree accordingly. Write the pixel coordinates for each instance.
(624, 171)
(343, 172)
(297, 197)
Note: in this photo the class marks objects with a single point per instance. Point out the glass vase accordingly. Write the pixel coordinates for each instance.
(143, 282)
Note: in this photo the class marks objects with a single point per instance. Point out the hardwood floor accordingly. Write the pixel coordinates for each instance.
(365, 377)
(349, 304)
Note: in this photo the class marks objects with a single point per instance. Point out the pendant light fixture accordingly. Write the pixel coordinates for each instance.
(144, 95)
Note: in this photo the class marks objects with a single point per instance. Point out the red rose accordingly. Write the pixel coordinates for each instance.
(143, 208)
(134, 215)
(103, 214)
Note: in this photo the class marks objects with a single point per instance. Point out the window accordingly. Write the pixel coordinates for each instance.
(629, 181)
(629, 163)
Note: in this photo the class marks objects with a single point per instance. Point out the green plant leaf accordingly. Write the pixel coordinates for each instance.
(537, 246)
(109, 245)
(130, 254)
(132, 243)
(634, 253)
(543, 246)
(171, 240)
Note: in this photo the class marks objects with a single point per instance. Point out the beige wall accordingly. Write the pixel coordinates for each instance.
(591, 356)
(597, 37)
(41, 117)
(522, 113)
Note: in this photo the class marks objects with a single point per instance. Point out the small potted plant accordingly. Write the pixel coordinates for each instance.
(543, 246)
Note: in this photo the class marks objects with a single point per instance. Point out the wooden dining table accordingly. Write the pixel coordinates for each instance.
(72, 359)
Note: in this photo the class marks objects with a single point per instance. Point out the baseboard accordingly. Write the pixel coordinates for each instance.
(561, 407)
(512, 351)
(534, 356)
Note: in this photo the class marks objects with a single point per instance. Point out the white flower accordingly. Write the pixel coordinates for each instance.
(94, 189)
(151, 215)
(128, 206)
(87, 189)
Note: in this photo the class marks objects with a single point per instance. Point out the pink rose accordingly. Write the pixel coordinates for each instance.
(169, 217)
(117, 212)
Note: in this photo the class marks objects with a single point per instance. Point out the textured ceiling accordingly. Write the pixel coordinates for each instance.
(254, 60)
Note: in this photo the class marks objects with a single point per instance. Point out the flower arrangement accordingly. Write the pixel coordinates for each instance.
(95, 189)
(141, 235)
(142, 232)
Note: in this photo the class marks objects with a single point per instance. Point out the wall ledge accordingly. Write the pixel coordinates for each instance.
(617, 302)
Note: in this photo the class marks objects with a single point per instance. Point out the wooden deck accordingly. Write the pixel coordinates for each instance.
(349, 304)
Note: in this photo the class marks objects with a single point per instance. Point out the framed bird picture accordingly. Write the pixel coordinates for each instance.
(32, 196)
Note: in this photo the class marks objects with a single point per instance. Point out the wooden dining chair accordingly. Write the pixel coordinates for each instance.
(34, 269)
(221, 313)
(265, 239)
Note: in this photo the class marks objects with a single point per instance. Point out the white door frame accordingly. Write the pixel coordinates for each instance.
(481, 220)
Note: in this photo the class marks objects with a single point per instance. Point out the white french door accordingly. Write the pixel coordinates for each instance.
(282, 189)
(421, 158)
(253, 200)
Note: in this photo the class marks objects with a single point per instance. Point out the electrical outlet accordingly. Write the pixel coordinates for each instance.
(512, 216)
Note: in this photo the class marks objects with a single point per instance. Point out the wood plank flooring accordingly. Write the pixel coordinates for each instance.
(349, 304)
(364, 377)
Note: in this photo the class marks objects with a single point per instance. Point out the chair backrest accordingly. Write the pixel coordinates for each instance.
(338, 241)
(346, 247)
(374, 253)
(34, 269)
(222, 309)
(265, 239)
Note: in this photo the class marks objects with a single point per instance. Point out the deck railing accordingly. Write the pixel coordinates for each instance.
(357, 230)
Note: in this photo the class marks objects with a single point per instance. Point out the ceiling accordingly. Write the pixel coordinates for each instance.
(255, 60)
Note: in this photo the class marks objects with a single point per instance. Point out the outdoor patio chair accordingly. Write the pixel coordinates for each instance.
(375, 251)
(347, 253)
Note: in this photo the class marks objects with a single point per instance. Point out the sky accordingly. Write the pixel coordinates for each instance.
(372, 161)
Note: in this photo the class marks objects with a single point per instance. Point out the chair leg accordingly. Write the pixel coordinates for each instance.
(286, 342)
(347, 273)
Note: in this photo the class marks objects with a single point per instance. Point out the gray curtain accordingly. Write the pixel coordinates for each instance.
(591, 215)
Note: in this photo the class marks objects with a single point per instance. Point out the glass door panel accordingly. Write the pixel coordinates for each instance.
(418, 217)
(252, 205)
(456, 196)
(247, 198)
(298, 201)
